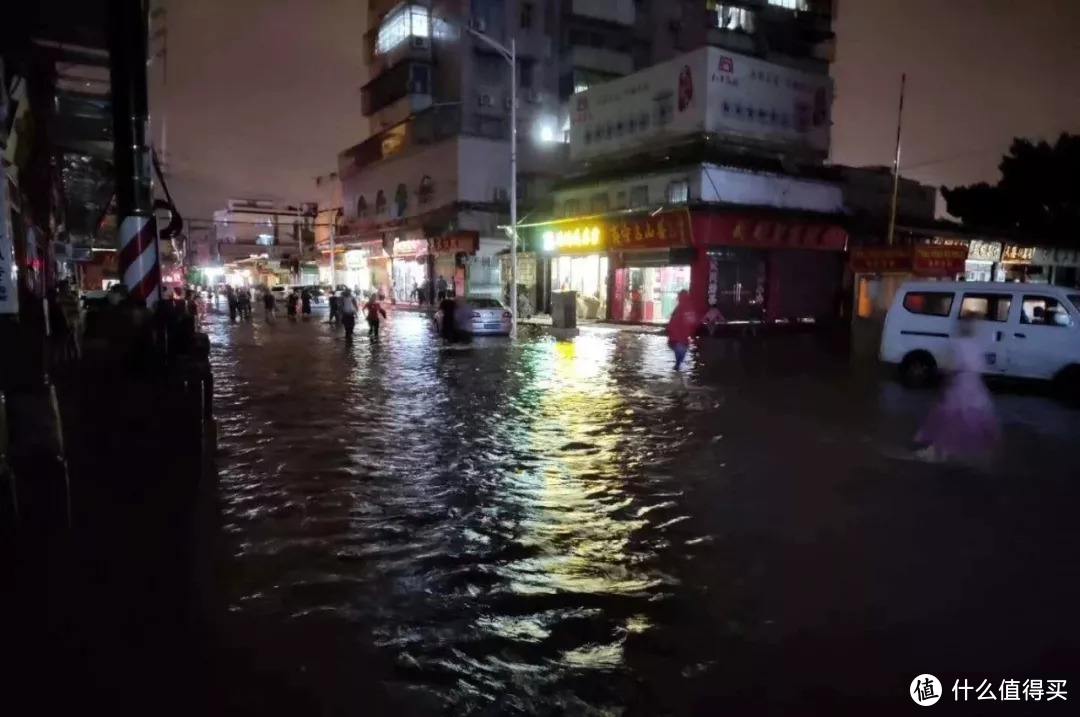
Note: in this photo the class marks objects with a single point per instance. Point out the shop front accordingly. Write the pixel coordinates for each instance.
(879, 272)
(768, 268)
(1063, 264)
(409, 270)
(355, 272)
(983, 260)
(371, 268)
(451, 253)
(621, 268)
(753, 268)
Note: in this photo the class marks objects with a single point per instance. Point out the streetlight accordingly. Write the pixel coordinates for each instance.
(510, 55)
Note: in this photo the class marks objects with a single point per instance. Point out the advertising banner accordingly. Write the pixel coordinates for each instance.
(709, 90)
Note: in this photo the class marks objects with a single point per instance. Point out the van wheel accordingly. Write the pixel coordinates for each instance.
(918, 369)
(1067, 385)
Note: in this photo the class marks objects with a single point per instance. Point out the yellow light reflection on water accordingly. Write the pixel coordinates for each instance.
(577, 515)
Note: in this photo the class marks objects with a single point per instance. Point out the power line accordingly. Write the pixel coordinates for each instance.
(997, 149)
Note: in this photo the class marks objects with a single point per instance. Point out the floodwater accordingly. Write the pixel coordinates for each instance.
(571, 527)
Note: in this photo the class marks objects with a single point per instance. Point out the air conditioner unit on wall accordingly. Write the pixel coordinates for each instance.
(484, 100)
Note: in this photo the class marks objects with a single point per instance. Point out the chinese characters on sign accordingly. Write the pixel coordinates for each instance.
(1017, 254)
(457, 243)
(923, 259)
(660, 231)
(929, 260)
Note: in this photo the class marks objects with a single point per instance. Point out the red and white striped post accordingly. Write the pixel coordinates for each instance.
(140, 269)
(138, 259)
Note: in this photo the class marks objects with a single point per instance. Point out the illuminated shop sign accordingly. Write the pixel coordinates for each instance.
(570, 239)
(651, 232)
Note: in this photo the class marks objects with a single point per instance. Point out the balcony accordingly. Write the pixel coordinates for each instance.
(402, 80)
(427, 127)
(415, 48)
(400, 110)
(599, 59)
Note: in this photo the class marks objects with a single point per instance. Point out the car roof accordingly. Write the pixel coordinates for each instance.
(979, 286)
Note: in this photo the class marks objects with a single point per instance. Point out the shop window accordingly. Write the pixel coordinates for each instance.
(587, 275)
(639, 196)
(930, 303)
(986, 307)
(361, 207)
(1044, 311)
(526, 15)
(678, 192)
(380, 202)
(599, 203)
(620, 199)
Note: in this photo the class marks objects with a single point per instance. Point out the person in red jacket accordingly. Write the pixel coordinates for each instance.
(373, 310)
(681, 327)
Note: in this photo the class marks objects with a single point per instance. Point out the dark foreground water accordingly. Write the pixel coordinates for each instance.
(570, 527)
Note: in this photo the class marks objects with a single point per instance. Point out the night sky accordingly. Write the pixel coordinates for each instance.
(262, 94)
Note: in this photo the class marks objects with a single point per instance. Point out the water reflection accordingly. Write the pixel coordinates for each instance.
(547, 526)
(483, 514)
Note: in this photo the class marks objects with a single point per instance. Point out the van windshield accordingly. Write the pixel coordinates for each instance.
(1075, 300)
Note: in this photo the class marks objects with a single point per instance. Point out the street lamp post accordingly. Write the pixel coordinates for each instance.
(510, 55)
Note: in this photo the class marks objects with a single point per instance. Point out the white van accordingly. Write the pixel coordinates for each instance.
(1029, 330)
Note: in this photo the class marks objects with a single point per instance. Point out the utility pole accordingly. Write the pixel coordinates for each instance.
(510, 55)
(333, 257)
(140, 269)
(896, 163)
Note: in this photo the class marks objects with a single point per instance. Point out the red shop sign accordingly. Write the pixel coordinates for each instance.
(766, 233)
(880, 260)
(456, 243)
(938, 260)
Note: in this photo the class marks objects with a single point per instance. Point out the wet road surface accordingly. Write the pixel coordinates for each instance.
(570, 527)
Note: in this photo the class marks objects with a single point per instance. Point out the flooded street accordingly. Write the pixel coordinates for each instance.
(569, 527)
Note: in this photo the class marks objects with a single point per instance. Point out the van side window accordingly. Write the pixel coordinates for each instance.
(933, 303)
(986, 307)
(1044, 311)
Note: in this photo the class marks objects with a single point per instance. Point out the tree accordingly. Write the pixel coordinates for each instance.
(1037, 198)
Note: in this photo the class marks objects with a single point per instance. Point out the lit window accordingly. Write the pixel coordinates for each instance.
(729, 17)
(800, 5)
(399, 26)
(678, 192)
